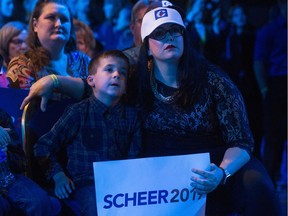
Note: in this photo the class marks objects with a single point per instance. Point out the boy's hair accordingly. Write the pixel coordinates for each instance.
(105, 54)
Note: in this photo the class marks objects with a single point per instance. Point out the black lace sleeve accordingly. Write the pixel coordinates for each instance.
(231, 112)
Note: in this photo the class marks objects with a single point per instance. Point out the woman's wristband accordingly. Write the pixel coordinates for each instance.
(56, 83)
(226, 175)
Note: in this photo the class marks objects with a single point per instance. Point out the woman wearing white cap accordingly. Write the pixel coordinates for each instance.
(191, 106)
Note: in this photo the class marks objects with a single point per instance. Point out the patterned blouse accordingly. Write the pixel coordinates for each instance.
(22, 75)
(217, 118)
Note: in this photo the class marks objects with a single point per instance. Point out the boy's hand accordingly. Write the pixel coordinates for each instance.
(63, 185)
(42, 88)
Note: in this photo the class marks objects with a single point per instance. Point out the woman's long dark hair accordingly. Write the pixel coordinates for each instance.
(192, 74)
(38, 55)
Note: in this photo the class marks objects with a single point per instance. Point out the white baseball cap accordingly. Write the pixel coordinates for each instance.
(157, 17)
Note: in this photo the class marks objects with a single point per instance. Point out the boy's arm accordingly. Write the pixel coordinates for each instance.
(47, 148)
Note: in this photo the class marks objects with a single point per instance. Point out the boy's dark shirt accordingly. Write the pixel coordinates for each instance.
(90, 131)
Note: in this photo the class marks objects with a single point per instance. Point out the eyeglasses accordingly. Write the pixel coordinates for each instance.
(161, 33)
(17, 42)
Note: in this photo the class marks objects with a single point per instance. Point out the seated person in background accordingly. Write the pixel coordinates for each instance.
(85, 40)
(137, 14)
(20, 192)
(12, 43)
(52, 47)
(99, 128)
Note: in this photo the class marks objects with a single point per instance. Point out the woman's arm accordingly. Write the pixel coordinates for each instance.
(236, 134)
(234, 158)
(44, 87)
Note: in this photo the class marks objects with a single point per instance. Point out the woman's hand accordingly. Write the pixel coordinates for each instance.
(63, 185)
(207, 181)
(71, 86)
(42, 88)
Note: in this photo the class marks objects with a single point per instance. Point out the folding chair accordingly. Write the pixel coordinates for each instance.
(34, 124)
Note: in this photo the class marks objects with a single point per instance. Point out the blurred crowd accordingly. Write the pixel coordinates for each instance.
(110, 21)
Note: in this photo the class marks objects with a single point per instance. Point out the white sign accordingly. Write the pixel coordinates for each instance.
(158, 186)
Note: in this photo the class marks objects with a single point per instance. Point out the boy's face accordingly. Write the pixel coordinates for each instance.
(109, 81)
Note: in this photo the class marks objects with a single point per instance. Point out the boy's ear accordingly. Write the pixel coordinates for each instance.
(90, 82)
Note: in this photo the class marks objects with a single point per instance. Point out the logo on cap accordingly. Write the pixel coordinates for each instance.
(166, 4)
(161, 13)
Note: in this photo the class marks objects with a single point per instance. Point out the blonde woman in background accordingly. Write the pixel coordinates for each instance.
(85, 40)
(12, 43)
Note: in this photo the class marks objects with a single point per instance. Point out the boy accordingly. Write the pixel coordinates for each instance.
(99, 128)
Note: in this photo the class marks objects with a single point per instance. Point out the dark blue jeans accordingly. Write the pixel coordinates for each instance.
(249, 192)
(86, 197)
(28, 197)
(4, 206)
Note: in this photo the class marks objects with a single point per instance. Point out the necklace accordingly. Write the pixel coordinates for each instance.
(157, 94)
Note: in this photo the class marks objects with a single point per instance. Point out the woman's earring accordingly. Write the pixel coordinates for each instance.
(150, 62)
